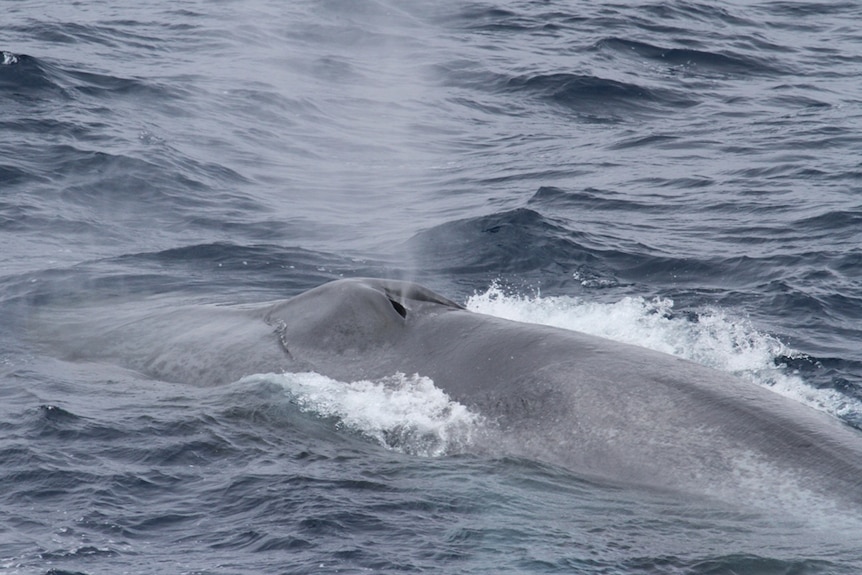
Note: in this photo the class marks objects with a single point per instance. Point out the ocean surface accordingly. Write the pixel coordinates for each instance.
(681, 175)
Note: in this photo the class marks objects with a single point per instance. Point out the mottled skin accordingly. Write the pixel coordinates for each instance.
(601, 408)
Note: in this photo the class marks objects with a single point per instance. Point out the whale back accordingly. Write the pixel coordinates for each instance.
(597, 406)
(351, 317)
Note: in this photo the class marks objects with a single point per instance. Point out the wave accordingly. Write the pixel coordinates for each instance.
(585, 93)
(523, 242)
(404, 413)
(24, 78)
(588, 97)
(22, 75)
(519, 244)
(693, 60)
(496, 20)
(591, 198)
(223, 271)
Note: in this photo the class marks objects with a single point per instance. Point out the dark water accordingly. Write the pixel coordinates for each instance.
(680, 175)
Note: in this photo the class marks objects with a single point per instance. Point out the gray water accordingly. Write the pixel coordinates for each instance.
(675, 174)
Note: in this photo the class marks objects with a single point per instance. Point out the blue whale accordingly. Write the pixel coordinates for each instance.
(598, 407)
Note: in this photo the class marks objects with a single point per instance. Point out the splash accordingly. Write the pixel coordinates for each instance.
(712, 338)
(404, 413)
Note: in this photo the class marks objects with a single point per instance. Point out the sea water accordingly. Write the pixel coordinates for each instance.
(678, 175)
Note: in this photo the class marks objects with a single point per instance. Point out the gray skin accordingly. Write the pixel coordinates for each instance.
(600, 408)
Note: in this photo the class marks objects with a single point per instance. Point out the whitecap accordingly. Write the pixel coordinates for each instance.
(405, 413)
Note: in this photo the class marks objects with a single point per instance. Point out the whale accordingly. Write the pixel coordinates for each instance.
(597, 407)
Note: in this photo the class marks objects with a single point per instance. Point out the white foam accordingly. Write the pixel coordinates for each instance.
(714, 339)
(404, 413)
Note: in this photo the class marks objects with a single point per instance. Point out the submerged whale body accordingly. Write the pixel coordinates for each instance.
(601, 408)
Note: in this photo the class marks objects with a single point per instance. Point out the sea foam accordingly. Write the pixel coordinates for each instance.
(406, 413)
(711, 338)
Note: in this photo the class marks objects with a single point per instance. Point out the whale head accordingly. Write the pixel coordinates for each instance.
(353, 316)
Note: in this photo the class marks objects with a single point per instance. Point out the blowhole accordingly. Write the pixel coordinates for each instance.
(402, 311)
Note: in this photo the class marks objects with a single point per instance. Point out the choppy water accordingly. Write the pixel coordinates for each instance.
(678, 175)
